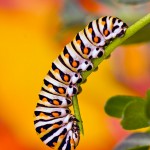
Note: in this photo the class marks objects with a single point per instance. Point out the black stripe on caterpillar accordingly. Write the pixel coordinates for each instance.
(54, 123)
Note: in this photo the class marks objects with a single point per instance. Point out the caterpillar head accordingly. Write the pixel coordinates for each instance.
(71, 90)
(76, 78)
(85, 66)
(111, 27)
(119, 28)
(124, 27)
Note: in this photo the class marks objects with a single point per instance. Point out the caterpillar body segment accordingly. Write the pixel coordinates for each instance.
(55, 87)
(48, 114)
(60, 70)
(53, 121)
(75, 62)
(50, 100)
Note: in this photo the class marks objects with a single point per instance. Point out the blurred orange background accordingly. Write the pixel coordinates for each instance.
(28, 45)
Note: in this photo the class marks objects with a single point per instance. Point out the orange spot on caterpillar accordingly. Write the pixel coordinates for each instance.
(56, 70)
(103, 22)
(50, 86)
(43, 115)
(66, 78)
(61, 90)
(55, 102)
(90, 30)
(67, 55)
(85, 51)
(42, 129)
(61, 136)
(55, 126)
(79, 41)
(55, 114)
(106, 32)
(72, 141)
(54, 143)
(44, 99)
(96, 39)
(74, 64)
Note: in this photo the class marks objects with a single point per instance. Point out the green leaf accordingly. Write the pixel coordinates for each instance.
(148, 104)
(115, 105)
(133, 2)
(136, 141)
(134, 116)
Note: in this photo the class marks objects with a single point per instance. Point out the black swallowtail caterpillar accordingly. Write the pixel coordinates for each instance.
(54, 123)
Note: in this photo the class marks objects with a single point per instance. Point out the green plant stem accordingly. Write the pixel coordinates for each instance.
(118, 41)
(77, 112)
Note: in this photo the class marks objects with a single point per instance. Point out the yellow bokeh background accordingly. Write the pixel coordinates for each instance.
(27, 48)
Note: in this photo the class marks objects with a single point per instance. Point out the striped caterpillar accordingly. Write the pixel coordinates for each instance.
(53, 121)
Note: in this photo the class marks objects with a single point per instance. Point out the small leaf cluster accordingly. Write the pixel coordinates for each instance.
(134, 113)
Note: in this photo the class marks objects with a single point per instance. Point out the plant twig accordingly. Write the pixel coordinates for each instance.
(118, 41)
(77, 112)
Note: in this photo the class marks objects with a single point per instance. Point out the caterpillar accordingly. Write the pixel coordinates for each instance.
(53, 121)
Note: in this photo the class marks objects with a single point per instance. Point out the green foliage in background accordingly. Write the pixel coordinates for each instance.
(131, 110)
(148, 105)
(134, 113)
